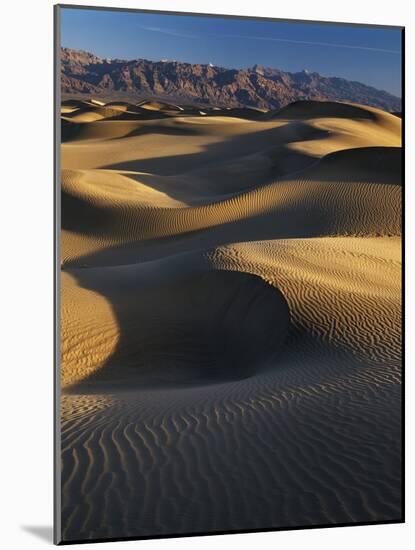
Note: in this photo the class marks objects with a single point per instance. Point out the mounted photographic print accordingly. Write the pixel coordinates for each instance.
(228, 274)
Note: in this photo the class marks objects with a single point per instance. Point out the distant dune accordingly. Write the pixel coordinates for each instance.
(231, 317)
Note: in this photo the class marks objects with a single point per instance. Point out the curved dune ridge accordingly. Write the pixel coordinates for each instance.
(231, 317)
(335, 203)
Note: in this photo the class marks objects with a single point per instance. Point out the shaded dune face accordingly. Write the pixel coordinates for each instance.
(313, 109)
(363, 164)
(206, 327)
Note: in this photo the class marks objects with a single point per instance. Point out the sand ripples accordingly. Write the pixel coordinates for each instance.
(231, 349)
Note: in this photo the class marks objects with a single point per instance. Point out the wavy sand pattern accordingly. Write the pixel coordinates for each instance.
(231, 317)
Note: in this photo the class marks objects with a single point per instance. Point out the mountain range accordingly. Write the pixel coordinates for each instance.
(84, 73)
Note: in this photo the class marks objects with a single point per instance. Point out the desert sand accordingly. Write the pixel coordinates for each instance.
(230, 317)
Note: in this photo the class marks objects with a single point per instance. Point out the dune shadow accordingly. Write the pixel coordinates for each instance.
(185, 329)
(76, 130)
(314, 108)
(258, 158)
(215, 181)
(261, 227)
(164, 130)
(381, 165)
(231, 148)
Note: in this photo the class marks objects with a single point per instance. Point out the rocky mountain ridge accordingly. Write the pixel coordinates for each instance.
(259, 87)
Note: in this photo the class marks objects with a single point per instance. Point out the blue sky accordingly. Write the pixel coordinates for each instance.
(366, 54)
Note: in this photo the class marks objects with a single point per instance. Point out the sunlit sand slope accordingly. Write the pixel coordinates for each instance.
(231, 317)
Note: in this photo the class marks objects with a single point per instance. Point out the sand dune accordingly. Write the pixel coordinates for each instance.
(231, 317)
(338, 195)
(159, 106)
(329, 109)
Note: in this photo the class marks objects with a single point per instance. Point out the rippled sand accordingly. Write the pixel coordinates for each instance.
(231, 318)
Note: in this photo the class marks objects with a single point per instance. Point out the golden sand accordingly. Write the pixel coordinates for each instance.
(231, 317)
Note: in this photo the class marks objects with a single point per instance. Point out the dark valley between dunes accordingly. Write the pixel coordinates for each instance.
(85, 74)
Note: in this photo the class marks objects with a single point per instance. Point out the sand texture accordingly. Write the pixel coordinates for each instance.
(230, 317)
